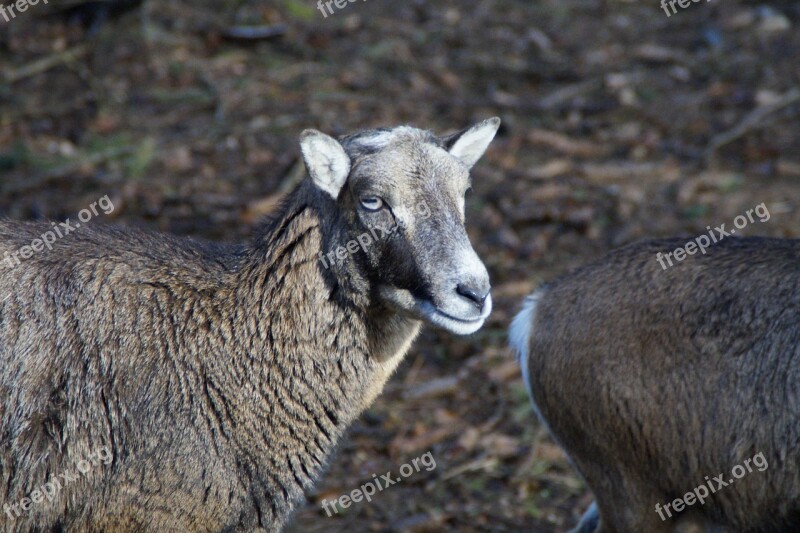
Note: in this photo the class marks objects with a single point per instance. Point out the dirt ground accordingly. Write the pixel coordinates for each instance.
(619, 123)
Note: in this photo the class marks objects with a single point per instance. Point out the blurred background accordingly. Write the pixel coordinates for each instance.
(619, 123)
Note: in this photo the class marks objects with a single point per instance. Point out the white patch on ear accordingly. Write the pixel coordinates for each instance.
(326, 161)
(470, 145)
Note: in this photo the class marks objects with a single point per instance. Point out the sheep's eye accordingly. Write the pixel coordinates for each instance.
(371, 203)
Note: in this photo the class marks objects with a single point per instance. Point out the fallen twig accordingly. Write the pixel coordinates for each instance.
(752, 121)
(68, 168)
(254, 33)
(44, 64)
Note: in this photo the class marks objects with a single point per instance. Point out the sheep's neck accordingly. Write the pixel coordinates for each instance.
(311, 372)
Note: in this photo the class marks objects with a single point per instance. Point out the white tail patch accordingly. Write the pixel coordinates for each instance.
(519, 337)
(519, 334)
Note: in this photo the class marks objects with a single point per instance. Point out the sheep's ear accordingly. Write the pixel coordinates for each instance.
(326, 161)
(469, 145)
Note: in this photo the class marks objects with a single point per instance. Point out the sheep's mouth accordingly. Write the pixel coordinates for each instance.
(460, 325)
(424, 309)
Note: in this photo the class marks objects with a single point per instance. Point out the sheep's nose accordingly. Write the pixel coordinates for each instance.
(473, 294)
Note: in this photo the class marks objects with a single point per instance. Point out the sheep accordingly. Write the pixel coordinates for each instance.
(674, 391)
(217, 379)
